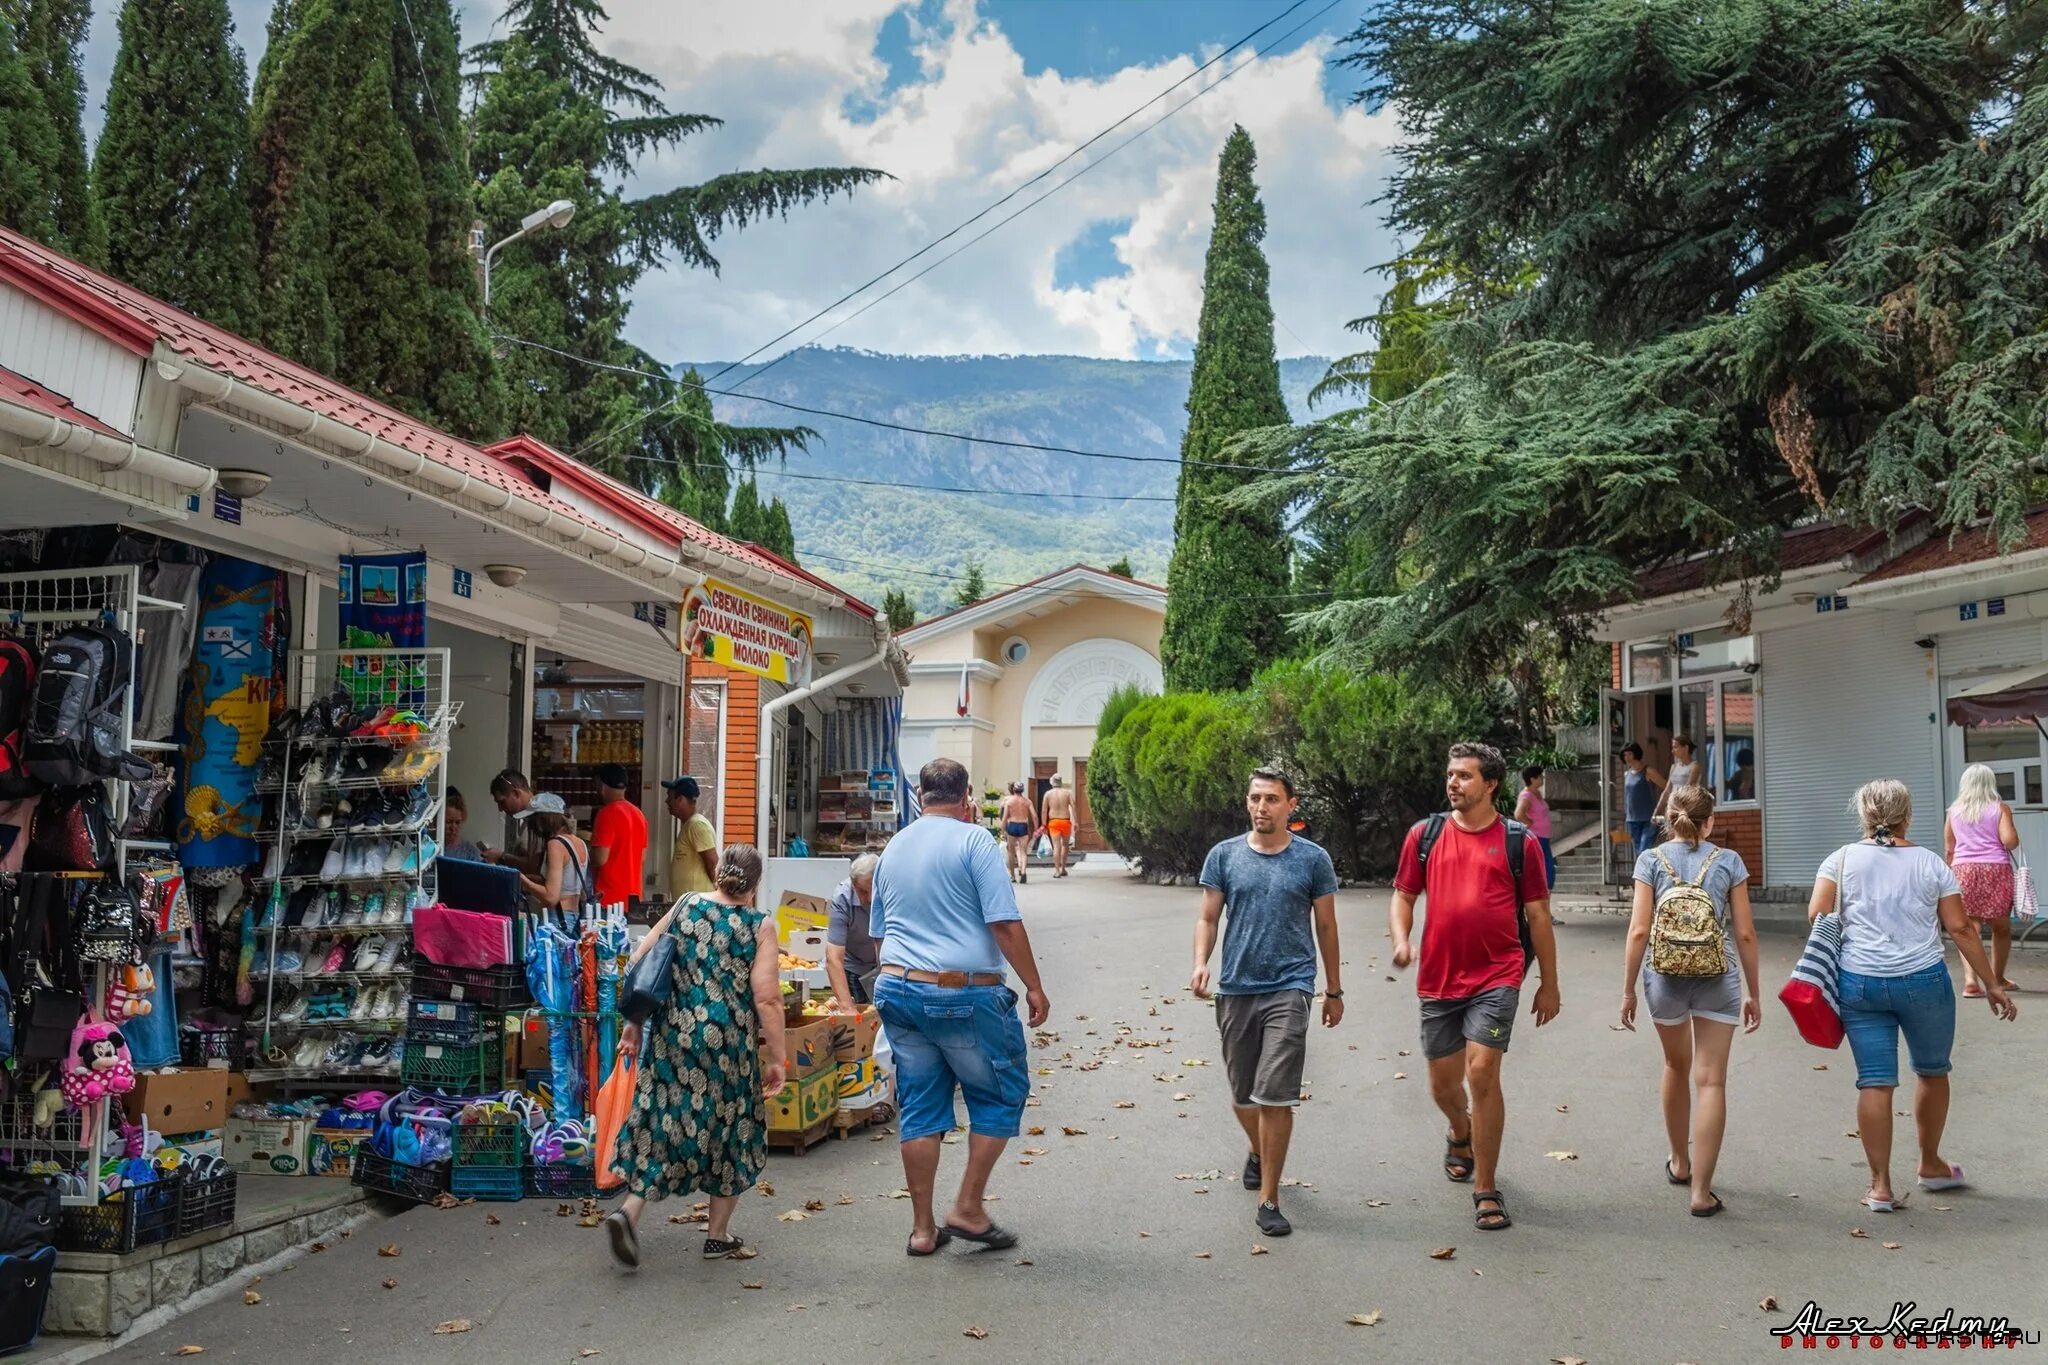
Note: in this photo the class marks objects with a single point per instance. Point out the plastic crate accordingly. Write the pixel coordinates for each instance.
(449, 1022)
(561, 1180)
(204, 1204)
(421, 1184)
(491, 988)
(201, 1043)
(487, 1182)
(490, 1144)
(451, 1070)
(138, 1216)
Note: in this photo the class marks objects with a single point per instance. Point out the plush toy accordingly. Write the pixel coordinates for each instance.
(102, 1066)
(128, 991)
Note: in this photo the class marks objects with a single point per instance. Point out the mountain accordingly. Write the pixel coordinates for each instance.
(1060, 509)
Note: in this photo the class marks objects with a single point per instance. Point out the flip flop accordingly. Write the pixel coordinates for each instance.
(1710, 1210)
(1892, 1205)
(944, 1236)
(1973, 992)
(1952, 1181)
(996, 1238)
(1673, 1177)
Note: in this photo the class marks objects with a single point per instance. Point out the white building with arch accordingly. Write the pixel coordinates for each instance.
(1013, 685)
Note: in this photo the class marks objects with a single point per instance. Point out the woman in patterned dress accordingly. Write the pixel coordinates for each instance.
(699, 1120)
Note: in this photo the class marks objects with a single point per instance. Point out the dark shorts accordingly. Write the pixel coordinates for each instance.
(1486, 1018)
(1017, 829)
(1265, 1044)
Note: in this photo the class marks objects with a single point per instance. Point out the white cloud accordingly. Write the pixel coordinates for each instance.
(802, 84)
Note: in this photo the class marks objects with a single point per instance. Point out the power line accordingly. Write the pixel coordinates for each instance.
(1048, 494)
(1114, 595)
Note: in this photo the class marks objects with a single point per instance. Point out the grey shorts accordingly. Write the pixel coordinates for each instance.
(1675, 999)
(1487, 1018)
(1265, 1043)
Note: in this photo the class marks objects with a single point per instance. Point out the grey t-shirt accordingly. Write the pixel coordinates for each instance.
(1269, 937)
(1727, 873)
(846, 926)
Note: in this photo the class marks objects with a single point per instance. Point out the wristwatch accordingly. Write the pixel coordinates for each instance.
(1333, 995)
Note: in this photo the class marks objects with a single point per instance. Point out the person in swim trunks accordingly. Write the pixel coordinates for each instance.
(1019, 820)
(1059, 823)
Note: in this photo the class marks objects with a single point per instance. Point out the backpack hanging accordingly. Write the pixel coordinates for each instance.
(17, 684)
(1685, 929)
(74, 726)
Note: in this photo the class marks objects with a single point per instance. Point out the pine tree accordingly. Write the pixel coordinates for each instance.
(51, 37)
(747, 522)
(896, 607)
(1227, 580)
(168, 171)
(779, 535)
(28, 146)
(290, 184)
(973, 585)
(1121, 568)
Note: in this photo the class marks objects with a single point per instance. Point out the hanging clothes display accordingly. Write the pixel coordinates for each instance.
(384, 606)
(229, 698)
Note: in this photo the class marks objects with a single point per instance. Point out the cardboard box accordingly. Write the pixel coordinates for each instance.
(808, 1048)
(800, 911)
(332, 1151)
(268, 1146)
(803, 1104)
(808, 944)
(533, 1044)
(854, 1037)
(240, 1089)
(180, 1101)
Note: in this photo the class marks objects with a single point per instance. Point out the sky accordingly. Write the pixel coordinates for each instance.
(963, 101)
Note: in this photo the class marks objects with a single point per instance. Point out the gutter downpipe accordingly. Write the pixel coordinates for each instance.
(765, 760)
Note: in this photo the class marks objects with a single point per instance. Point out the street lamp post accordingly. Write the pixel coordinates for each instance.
(555, 215)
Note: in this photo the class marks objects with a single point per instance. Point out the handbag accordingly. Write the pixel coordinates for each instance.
(29, 1209)
(24, 1296)
(71, 832)
(109, 925)
(2025, 905)
(648, 981)
(1813, 995)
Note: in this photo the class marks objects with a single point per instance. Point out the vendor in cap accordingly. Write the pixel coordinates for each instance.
(695, 859)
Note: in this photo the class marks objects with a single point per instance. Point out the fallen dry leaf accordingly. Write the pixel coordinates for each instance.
(767, 1190)
(1402, 1053)
(1027, 1261)
(899, 1194)
(1074, 1132)
(492, 1220)
(1035, 1130)
(452, 1326)
(1853, 1133)
(389, 1249)
(445, 1200)
(1400, 1075)
(1564, 1109)
(744, 1254)
(817, 1205)
(752, 1284)
(391, 1284)
(1769, 1303)
(794, 1308)
(1567, 1360)
(1892, 1246)
(1143, 1233)
(250, 1296)
(1371, 1319)
(1127, 1104)
(565, 1210)
(978, 1333)
(1201, 1255)
(1289, 1182)
(1036, 1151)
(1375, 1203)
(1820, 1066)
(1562, 1156)
(590, 1220)
(1858, 1232)
(844, 1199)
(190, 1351)
(317, 1247)
(1443, 1253)
(791, 1216)
(1182, 1097)
(1258, 1250)
(1193, 1061)
(587, 1352)
(1943, 1208)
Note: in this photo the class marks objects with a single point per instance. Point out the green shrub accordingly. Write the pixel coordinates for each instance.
(1167, 783)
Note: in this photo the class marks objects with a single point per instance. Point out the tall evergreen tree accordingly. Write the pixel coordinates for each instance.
(168, 171)
(51, 37)
(1227, 580)
(290, 181)
(28, 147)
(973, 585)
(778, 535)
(897, 608)
(748, 520)
(560, 120)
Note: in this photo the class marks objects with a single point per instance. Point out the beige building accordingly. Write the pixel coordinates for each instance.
(1012, 686)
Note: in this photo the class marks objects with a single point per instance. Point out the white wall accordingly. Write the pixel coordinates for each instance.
(1847, 698)
(480, 677)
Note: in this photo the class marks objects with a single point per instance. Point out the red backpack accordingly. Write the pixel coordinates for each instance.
(17, 685)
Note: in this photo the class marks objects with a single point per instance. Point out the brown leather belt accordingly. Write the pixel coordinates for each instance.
(952, 980)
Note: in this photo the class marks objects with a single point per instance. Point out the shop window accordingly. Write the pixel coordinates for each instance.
(706, 740)
(2013, 752)
(1647, 664)
(1735, 765)
(1701, 652)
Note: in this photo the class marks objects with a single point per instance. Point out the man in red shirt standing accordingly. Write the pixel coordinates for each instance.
(1472, 960)
(618, 840)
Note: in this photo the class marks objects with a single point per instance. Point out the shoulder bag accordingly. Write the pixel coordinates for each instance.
(1813, 995)
(648, 981)
(2025, 906)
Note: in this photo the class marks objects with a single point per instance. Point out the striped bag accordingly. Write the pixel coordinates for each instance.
(1812, 996)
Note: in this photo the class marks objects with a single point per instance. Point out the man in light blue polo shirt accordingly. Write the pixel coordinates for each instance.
(946, 917)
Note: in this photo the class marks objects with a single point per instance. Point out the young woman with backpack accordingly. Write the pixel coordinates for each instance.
(1690, 930)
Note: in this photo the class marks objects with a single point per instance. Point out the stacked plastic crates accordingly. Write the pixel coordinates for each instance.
(455, 1027)
(490, 1153)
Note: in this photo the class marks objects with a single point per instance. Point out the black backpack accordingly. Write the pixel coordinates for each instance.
(17, 682)
(74, 726)
(1518, 843)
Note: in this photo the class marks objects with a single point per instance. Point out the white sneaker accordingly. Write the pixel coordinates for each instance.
(360, 1010)
(273, 863)
(295, 1008)
(335, 864)
(310, 1050)
(395, 855)
(380, 1007)
(394, 909)
(366, 956)
(387, 961)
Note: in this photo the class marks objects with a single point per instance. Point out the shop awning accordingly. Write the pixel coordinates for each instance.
(2016, 694)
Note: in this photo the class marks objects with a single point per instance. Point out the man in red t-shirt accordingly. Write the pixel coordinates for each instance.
(618, 839)
(1470, 977)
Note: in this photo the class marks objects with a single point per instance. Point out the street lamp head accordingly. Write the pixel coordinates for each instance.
(555, 215)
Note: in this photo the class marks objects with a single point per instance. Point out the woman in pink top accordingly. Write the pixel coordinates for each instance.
(1532, 810)
(1978, 841)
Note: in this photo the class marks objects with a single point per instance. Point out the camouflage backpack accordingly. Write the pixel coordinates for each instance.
(1685, 931)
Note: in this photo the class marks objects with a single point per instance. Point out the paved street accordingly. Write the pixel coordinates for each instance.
(1123, 1260)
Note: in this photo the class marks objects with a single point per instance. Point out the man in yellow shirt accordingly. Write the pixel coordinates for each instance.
(695, 859)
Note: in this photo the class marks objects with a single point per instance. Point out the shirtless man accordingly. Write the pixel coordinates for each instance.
(1020, 821)
(1059, 823)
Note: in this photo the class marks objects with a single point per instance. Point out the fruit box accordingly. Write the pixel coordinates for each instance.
(803, 1104)
(854, 1039)
(332, 1151)
(808, 1047)
(801, 911)
(180, 1101)
(268, 1146)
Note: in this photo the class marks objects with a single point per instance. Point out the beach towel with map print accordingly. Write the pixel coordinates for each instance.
(232, 690)
(384, 606)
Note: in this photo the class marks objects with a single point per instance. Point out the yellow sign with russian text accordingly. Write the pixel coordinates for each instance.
(739, 630)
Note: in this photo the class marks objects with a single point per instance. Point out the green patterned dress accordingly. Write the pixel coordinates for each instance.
(698, 1123)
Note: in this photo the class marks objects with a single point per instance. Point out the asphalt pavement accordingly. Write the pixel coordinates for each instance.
(1138, 1240)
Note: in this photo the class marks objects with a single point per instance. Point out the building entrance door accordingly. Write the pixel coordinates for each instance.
(1085, 836)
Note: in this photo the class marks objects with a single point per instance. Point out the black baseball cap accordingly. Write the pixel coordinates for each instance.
(612, 775)
(682, 786)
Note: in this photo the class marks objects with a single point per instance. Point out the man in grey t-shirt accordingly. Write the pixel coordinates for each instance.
(1281, 894)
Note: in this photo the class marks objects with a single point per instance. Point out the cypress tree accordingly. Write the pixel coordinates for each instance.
(779, 535)
(973, 585)
(747, 522)
(289, 181)
(1230, 563)
(168, 172)
(50, 35)
(28, 146)
(897, 607)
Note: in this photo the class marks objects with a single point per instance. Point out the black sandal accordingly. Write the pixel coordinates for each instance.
(995, 1238)
(939, 1239)
(1458, 1169)
(1710, 1210)
(1494, 1219)
(716, 1250)
(1672, 1177)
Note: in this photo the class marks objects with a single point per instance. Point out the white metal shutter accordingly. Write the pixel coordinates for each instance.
(1982, 649)
(1846, 699)
(617, 641)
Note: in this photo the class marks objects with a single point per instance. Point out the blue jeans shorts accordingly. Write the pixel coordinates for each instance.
(1877, 1009)
(947, 1037)
(1639, 834)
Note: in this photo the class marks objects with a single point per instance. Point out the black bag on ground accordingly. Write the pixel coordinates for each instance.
(29, 1209)
(73, 735)
(24, 1297)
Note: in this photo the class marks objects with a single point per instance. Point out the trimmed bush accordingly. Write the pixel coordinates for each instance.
(1167, 783)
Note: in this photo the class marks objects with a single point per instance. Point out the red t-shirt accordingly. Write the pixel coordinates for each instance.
(621, 828)
(1471, 941)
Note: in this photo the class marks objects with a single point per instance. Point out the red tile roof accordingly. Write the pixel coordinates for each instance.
(20, 389)
(1973, 546)
(1805, 547)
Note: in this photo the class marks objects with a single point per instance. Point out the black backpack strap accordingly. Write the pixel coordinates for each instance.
(1432, 830)
(1518, 841)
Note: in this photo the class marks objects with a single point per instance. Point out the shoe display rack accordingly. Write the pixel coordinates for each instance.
(35, 608)
(361, 780)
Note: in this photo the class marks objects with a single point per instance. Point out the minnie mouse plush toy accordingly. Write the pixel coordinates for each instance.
(103, 1067)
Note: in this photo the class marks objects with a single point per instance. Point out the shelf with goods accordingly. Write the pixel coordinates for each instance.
(36, 608)
(583, 721)
(360, 793)
(857, 810)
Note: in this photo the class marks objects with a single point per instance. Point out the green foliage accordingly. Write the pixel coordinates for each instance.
(1229, 566)
(1168, 783)
(1121, 568)
(50, 35)
(688, 457)
(777, 534)
(168, 170)
(290, 185)
(747, 520)
(897, 608)
(1709, 271)
(973, 585)
(28, 146)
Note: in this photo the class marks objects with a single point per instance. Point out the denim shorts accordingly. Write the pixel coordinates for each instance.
(943, 1037)
(1877, 1009)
